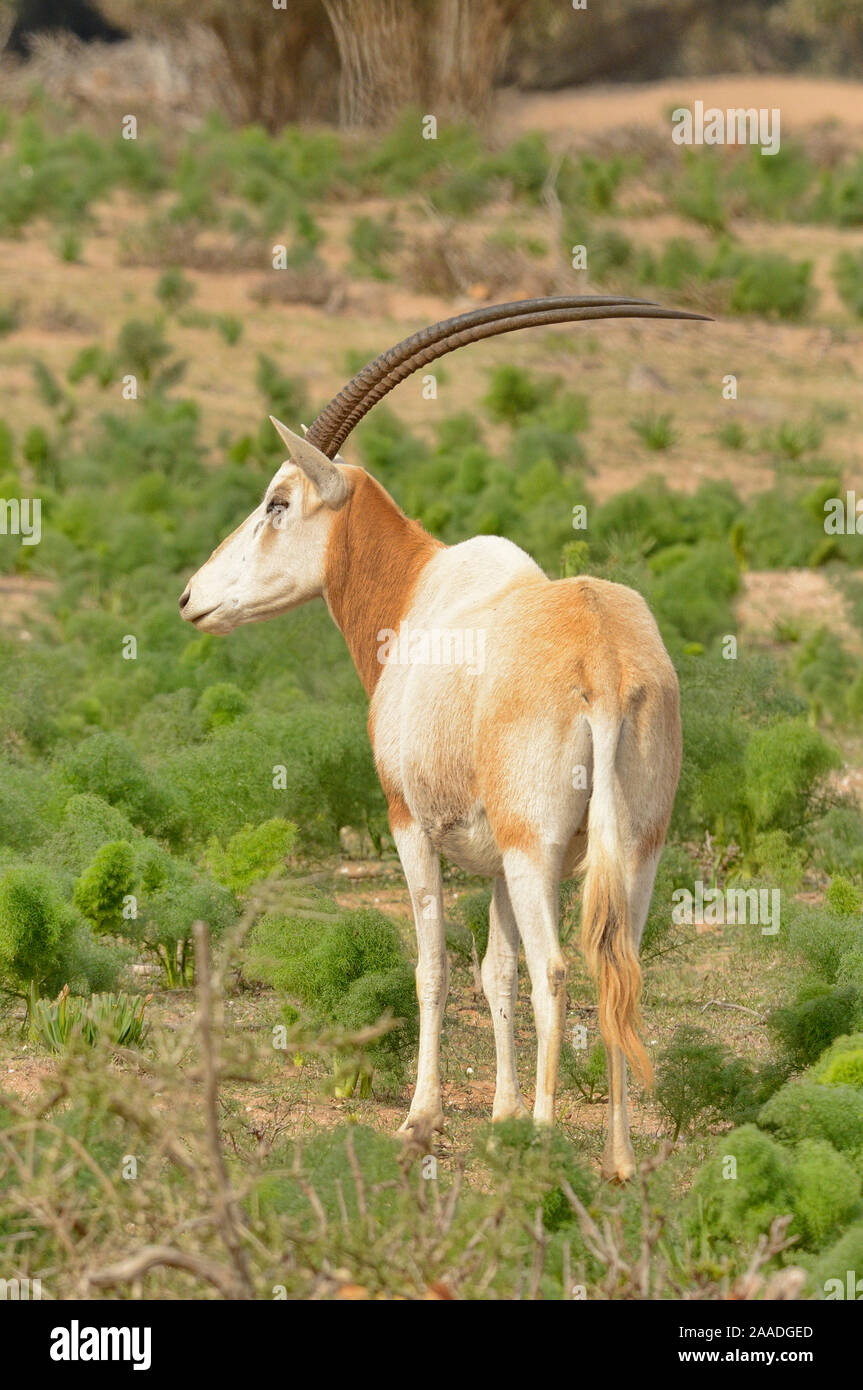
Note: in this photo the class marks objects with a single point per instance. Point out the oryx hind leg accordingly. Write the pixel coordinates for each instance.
(500, 985)
(532, 884)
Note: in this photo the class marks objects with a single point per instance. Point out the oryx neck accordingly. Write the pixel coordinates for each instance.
(374, 559)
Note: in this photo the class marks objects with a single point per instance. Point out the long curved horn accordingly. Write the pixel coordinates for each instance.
(343, 413)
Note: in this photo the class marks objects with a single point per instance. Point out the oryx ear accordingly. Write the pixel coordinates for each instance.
(325, 477)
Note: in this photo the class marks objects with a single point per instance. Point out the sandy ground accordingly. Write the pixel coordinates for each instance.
(577, 112)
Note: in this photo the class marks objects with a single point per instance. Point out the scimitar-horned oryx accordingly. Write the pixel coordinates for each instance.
(552, 744)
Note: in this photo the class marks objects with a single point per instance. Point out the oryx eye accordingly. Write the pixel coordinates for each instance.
(278, 504)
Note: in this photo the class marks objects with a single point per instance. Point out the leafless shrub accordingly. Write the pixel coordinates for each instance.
(443, 263)
(162, 75)
(160, 242)
(444, 55)
(311, 285)
(260, 64)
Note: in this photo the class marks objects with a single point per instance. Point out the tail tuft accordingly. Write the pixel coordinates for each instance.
(606, 933)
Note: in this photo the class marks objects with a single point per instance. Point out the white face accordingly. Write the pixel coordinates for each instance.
(274, 561)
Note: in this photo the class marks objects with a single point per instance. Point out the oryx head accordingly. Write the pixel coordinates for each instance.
(276, 559)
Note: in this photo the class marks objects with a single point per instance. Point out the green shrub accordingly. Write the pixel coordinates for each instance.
(770, 284)
(824, 670)
(373, 242)
(252, 854)
(732, 435)
(773, 858)
(514, 393)
(847, 1048)
(533, 1159)
(820, 1014)
(697, 1079)
(371, 997)
(33, 919)
(175, 895)
(472, 911)
(829, 1275)
(697, 192)
(585, 1070)
(101, 889)
(737, 1202)
(69, 245)
(221, 704)
(845, 899)
(822, 937)
(349, 968)
(107, 765)
(845, 1070)
(792, 439)
(93, 361)
(174, 289)
(141, 348)
(805, 1109)
(785, 763)
(88, 823)
(848, 278)
(655, 430)
(826, 1191)
(230, 328)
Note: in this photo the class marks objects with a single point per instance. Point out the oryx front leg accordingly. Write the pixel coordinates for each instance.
(421, 866)
(532, 888)
(500, 986)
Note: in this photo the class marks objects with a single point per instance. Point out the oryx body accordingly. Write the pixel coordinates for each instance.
(522, 727)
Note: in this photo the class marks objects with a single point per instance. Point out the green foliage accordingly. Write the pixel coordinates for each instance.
(118, 1018)
(142, 348)
(373, 241)
(848, 277)
(844, 898)
(32, 921)
(349, 968)
(771, 284)
(252, 854)
(655, 430)
(785, 765)
(175, 895)
(806, 1109)
(831, 1268)
(221, 704)
(737, 1202)
(101, 889)
(830, 1065)
(697, 1079)
(472, 911)
(819, 1014)
(537, 1159)
(845, 1070)
(88, 822)
(174, 289)
(107, 765)
(826, 1191)
(823, 937)
(515, 393)
(824, 671)
(586, 1070)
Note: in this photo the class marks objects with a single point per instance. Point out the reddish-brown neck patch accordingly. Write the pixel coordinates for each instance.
(374, 559)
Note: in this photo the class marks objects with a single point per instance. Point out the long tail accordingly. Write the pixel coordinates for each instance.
(605, 921)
